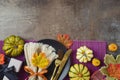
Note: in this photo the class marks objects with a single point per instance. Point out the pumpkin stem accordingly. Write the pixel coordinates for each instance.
(79, 74)
(15, 46)
(83, 52)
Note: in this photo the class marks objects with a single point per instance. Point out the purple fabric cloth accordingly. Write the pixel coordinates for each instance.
(98, 47)
(99, 51)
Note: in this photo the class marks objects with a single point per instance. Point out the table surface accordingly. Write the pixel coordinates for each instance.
(41, 19)
(81, 19)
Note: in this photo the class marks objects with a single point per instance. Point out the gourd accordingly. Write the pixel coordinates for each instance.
(79, 72)
(13, 45)
(96, 62)
(112, 47)
(84, 54)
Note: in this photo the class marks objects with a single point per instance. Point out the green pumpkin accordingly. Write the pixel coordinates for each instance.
(13, 45)
(79, 72)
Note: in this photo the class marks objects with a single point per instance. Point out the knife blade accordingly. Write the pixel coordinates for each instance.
(63, 62)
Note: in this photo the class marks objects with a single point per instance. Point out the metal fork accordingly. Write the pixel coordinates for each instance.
(57, 62)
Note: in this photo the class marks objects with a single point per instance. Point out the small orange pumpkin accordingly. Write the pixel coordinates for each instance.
(112, 47)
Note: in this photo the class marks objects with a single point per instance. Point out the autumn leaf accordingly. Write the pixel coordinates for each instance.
(65, 40)
(2, 59)
(40, 60)
(108, 59)
(118, 59)
(104, 70)
(114, 70)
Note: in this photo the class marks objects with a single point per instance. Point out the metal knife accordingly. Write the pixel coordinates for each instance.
(63, 62)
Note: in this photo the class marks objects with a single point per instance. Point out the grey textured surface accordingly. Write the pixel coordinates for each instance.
(81, 19)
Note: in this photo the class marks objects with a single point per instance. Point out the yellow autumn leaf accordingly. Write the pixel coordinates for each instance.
(40, 60)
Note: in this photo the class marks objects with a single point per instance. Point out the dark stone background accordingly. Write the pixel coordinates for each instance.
(81, 19)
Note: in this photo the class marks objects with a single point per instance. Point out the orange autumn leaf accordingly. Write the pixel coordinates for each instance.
(114, 70)
(2, 58)
(65, 40)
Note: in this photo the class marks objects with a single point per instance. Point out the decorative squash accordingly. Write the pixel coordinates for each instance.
(112, 47)
(96, 62)
(84, 54)
(79, 72)
(13, 45)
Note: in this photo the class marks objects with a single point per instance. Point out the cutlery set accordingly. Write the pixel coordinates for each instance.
(59, 64)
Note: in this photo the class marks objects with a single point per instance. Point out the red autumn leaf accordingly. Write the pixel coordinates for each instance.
(2, 58)
(114, 70)
(65, 40)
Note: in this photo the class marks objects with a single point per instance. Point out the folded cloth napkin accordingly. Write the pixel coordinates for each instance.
(29, 50)
(32, 48)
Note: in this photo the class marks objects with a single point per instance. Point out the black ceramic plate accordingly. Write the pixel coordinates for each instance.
(58, 46)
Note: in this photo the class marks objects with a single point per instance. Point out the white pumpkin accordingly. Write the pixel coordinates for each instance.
(84, 54)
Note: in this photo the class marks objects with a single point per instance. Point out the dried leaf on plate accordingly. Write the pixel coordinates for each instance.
(40, 60)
